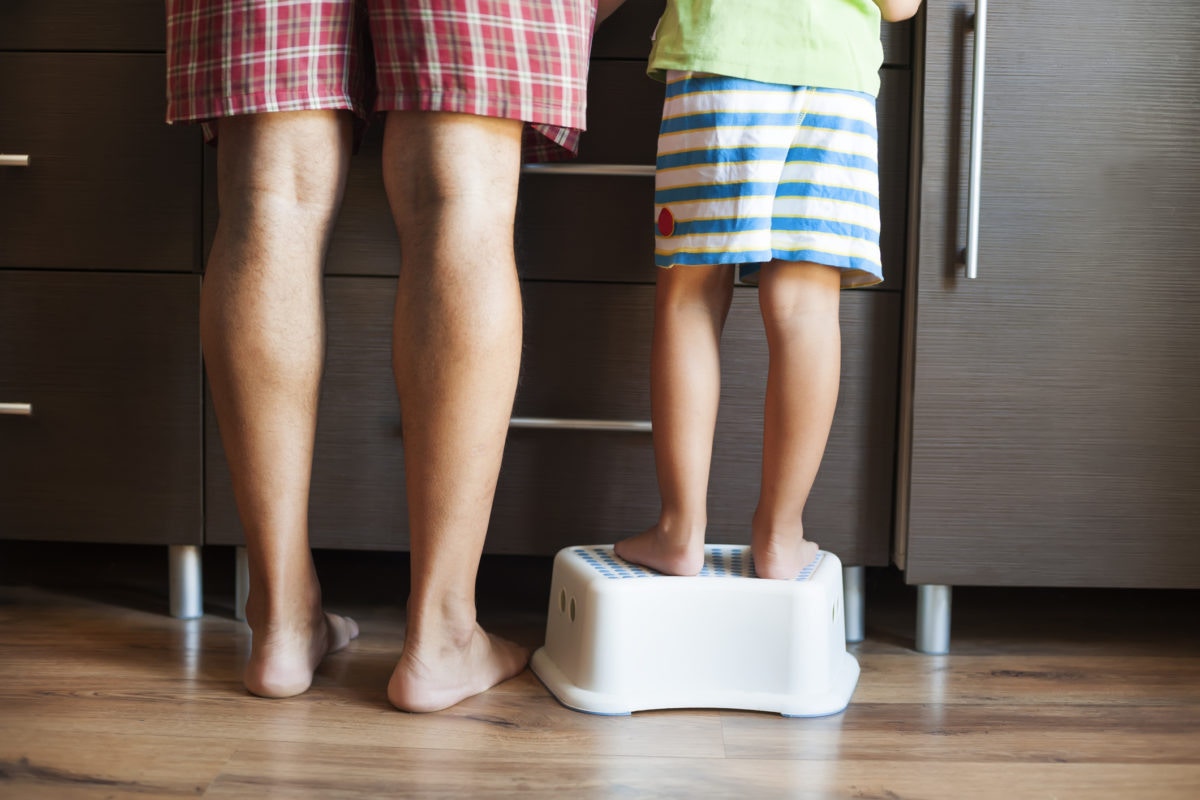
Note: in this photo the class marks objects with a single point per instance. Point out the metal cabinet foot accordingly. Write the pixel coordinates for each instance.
(853, 589)
(933, 619)
(241, 584)
(186, 581)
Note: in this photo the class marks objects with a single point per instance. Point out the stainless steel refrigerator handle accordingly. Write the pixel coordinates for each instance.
(13, 160)
(632, 170)
(17, 409)
(549, 423)
(975, 165)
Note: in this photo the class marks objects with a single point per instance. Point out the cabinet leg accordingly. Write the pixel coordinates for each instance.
(186, 581)
(933, 619)
(241, 584)
(852, 590)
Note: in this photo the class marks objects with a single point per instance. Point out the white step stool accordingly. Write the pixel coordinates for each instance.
(623, 638)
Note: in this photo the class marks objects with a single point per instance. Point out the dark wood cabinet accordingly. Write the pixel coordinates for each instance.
(585, 255)
(102, 239)
(100, 233)
(1052, 436)
(1048, 429)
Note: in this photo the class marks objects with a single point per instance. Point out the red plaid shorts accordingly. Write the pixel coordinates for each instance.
(514, 59)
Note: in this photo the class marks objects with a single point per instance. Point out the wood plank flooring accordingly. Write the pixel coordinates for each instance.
(1067, 695)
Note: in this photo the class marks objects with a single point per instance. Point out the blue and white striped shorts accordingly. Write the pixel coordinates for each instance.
(749, 172)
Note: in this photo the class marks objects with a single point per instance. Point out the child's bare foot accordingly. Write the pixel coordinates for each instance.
(433, 676)
(781, 558)
(668, 555)
(282, 660)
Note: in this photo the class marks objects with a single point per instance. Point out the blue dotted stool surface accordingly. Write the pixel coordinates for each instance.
(720, 561)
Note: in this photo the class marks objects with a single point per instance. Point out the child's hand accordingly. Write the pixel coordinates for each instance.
(893, 10)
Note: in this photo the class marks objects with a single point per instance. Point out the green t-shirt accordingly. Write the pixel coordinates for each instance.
(833, 44)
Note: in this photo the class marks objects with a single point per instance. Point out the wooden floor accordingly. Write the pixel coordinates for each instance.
(1046, 695)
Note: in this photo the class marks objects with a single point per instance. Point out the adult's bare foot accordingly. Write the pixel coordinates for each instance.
(431, 676)
(669, 555)
(284, 658)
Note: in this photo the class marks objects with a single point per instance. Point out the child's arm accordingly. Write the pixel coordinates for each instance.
(606, 7)
(892, 10)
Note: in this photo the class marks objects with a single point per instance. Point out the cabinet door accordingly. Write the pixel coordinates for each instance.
(109, 368)
(1056, 398)
(109, 184)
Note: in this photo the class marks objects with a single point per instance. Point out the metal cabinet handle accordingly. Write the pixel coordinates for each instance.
(633, 170)
(630, 426)
(975, 165)
(17, 409)
(13, 160)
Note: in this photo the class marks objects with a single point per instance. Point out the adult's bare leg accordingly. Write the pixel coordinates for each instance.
(799, 303)
(280, 181)
(452, 182)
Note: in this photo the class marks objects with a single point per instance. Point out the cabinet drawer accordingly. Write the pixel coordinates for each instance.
(563, 488)
(627, 34)
(109, 185)
(601, 228)
(83, 25)
(559, 488)
(587, 356)
(587, 351)
(111, 367)
(623, 110)
(357, 499)
(588, 227)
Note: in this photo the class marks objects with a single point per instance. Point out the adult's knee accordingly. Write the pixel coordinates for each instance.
(445, 171)
(283, 171)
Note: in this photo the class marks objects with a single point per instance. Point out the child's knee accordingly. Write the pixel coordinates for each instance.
(791, 292)
(711, 287)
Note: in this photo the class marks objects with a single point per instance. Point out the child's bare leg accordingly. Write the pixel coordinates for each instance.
(799, 303)
(691, 304)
